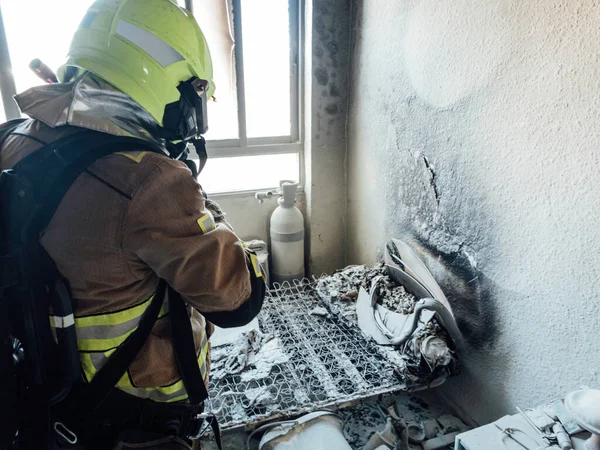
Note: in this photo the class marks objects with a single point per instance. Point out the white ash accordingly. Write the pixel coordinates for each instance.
(363, 420)
(389, 294)
(422, 417)
(319, 311)
(252, 355)
(237, 411)
(343, 286)
(261, 363)
(260, 396)
(339, 292)
(301, 396)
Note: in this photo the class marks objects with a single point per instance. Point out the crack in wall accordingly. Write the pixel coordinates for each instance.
(446, 247)
(432, 179)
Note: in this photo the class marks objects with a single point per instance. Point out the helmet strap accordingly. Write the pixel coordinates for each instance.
(181, 152)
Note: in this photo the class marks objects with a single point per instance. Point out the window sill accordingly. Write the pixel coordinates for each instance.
(246, 194)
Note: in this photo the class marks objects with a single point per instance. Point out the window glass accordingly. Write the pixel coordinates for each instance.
(245, 173)
(266, 35)
(40, 29)
(215, 18)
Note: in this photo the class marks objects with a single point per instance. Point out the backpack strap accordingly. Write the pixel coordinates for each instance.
(7, 128)
(184, 349)
(45, 176)
(9, 273)
(187, 361)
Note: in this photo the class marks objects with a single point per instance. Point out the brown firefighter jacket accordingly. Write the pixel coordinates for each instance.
(128, 220)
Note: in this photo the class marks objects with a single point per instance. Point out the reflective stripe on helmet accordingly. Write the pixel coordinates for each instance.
(158, 49)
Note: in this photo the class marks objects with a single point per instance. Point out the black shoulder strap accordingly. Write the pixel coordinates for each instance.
(47, 174)
(184, 348)
(187, 361)
(111, 372)
(7, 128)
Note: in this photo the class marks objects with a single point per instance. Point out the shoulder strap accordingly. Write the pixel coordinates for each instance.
(111, 372)
(184, 348)
(44, 177)
(187, 361)
(7, 128)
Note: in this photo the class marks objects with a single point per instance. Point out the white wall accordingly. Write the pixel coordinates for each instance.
(249, 219)
(474, 133)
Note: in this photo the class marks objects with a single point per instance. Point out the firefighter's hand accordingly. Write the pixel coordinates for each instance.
(217, 212)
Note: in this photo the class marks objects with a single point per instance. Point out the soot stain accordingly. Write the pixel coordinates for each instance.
(471, 294)
(334, 91)
(332, 108)
(322, 76)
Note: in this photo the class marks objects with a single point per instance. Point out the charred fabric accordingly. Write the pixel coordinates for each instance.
(422, 366)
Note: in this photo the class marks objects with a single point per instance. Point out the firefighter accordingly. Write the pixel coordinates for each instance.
(138, 68)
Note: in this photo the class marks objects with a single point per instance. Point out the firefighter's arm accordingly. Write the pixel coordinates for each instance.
(250, 308)
(170, 231)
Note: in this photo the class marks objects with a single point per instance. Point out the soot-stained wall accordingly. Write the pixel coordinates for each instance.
(474, 134)
(327, 46)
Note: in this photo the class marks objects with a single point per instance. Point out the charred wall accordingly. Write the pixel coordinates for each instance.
(473, 134)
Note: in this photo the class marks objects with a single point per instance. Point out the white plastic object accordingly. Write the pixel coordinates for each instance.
(411, 264)
(440, 442)
(287, 236)
(316, 431)
(389, 328)
(584, 407)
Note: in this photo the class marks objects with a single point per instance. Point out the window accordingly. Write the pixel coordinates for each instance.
(254, 137)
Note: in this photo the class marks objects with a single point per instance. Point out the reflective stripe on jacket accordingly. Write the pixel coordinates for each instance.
(99, 335)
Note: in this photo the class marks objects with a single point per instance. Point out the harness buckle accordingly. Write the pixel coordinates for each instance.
(199, 425)
(64, 432)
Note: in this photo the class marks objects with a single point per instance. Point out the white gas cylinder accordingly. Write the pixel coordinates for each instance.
(287, 236)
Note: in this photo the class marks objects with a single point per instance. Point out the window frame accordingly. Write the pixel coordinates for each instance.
(272, 145)
(242, 146)
(8, 87)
